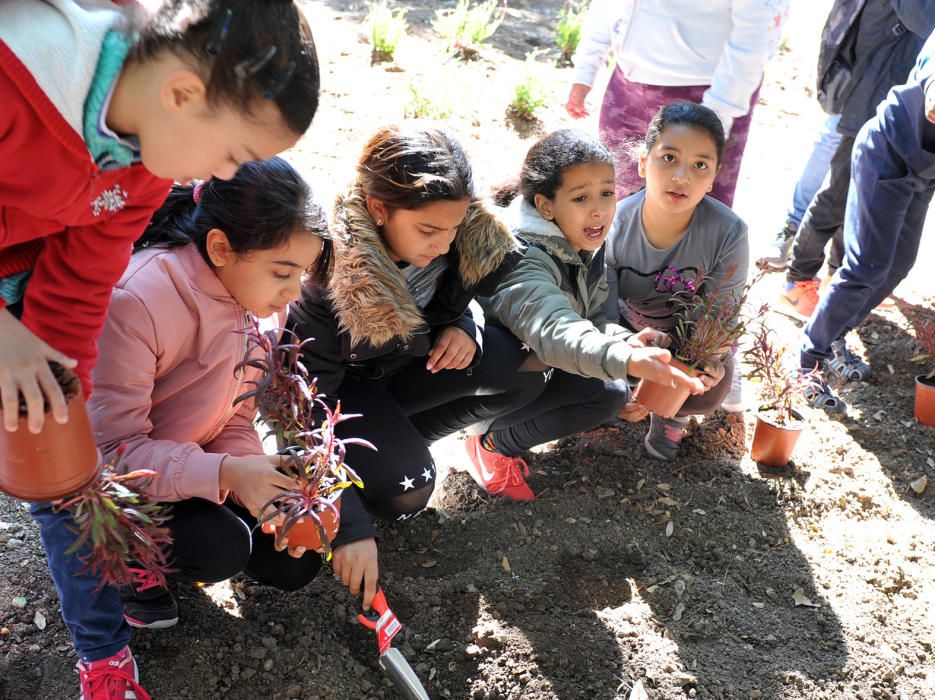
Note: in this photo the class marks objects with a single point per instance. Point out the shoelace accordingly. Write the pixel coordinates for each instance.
(145, 579)
(514, 470)
(108, 682)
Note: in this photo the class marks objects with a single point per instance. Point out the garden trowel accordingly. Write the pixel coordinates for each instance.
(383, 620)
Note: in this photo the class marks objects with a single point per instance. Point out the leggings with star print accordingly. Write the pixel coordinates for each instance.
(408, 411)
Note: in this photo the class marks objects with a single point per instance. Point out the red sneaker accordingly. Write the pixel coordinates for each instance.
(799, 299)
(497, 473)
(113, 678)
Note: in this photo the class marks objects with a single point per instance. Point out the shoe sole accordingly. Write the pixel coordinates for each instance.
(158, 625)
(652, 452)
(786, 308)
(770, 266)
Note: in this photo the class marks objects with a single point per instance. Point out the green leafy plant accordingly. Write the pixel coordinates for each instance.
(529, 95)
(121, 525)
(422, 106)
(304, 428)
(466, 26)
(780, 387)
(387, 26)
(568, 30)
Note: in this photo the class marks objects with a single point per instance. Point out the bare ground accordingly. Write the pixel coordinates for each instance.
(679, 578)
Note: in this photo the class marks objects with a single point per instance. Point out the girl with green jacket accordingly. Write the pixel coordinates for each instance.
(553, 302)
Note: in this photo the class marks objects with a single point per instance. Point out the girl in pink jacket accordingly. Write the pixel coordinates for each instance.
(215, 257)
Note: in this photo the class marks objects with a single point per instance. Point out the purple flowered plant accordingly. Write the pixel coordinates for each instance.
(304, 427)
(670, 281)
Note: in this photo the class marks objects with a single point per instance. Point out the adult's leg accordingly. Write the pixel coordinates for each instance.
(570, 404)
(626, 112)
(92, 613)
(882, 195)
(400, 476)
(816, 169)
(824, 217)
(441, 404)
(726, 183)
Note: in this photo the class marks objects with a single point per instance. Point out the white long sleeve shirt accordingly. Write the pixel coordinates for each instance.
(721, 43)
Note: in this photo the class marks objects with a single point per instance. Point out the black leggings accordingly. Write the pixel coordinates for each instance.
(569, 405)
(407, 412)
(212, 543)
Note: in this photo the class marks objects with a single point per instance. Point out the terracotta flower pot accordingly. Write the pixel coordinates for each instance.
(773, 444)
(661, 399)
(58, 461)
(925, 399)
(305, 534)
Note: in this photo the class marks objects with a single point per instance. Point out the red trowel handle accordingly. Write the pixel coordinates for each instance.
(381, 619)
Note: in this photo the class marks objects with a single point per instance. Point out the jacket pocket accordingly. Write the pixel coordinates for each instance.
(659, 39)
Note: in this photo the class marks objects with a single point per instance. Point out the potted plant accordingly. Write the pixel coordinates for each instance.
(778, 424)
(707, 325)
(59, 460)
(923, 325)
(303, 425)
(122, 526)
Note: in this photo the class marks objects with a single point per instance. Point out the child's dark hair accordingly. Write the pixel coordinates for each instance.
(687, 114)
(245, 50)
(260, 208)
(546, 162)
(407, 169)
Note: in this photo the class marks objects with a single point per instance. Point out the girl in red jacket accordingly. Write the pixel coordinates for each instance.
(94, 127)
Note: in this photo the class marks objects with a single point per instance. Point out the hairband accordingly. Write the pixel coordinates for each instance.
(196, 192)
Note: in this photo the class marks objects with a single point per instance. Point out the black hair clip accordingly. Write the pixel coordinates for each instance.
(278, 81)
(214, 46)
(251, 66)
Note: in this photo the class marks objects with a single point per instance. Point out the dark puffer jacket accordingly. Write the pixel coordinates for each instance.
(366, 322)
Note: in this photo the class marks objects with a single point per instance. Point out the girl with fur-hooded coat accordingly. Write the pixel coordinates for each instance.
(397, 336)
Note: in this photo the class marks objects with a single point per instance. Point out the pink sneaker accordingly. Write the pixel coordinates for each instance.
(113, 678)
(497, 473)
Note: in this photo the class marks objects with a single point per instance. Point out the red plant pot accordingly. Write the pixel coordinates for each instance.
(662, 399)
(306, 534)
(58, 461)
(773, 444)
(925, 399)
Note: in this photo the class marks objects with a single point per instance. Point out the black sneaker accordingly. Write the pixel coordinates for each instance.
(147, 605)
(777, 255)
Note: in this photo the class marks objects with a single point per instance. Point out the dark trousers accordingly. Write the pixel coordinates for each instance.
(407, 412)
(570, 404)
(886, 208)
(210, 543)
(824, 220)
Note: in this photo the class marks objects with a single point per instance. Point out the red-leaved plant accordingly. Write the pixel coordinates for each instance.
(121, 526)
(708, 322)
(289, 404)
(780, 387)
(922, 321)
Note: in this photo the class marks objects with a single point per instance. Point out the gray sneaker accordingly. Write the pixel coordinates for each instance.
(845, 364)
(777, 255)
(664, 437)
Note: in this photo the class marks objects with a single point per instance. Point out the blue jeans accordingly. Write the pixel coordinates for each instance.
(94, 617)
(886, 207)
(816, 169)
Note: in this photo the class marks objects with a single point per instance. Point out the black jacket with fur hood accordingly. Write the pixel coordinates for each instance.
(366, 322)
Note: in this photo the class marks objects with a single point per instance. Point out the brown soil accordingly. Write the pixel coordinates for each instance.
(704, 577)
